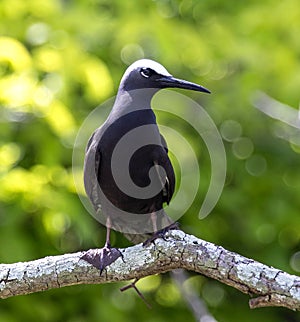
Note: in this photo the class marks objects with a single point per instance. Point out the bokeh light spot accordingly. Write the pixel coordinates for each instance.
(9, 155)
(242, 148)
(256, 165)
(13, 52)
(96, 78)
(213, 293)
(149, 283)
(60, 119)
(231, 130)
(295, 262)
(38, 33)
(168, 294)
(265, 233)
(131, 52)
(48, 59)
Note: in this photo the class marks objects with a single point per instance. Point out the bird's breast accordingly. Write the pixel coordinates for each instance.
(128, 148)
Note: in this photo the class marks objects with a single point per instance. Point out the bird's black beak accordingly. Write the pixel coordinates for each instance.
(172, 82)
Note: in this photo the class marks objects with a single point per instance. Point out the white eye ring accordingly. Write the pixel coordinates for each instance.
(146, 72)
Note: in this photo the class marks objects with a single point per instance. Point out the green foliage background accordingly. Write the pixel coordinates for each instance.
(60, 59)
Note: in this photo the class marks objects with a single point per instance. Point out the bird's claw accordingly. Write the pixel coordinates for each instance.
(160, 233)
(101, 258)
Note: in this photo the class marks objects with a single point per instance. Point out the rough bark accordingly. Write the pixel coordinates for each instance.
(273, 287)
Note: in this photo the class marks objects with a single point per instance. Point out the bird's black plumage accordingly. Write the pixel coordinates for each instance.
(128, 175)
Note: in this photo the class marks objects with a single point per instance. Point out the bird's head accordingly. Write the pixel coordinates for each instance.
(146, 73)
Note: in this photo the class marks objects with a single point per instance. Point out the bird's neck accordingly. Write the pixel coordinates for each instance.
(129, 101)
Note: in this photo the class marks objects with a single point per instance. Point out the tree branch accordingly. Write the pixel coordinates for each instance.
(273, 287)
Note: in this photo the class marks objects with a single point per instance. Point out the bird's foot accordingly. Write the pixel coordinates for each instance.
(160, 233)
(101, 258)
(132, 285)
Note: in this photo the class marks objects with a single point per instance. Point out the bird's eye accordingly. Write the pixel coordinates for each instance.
(146, 72)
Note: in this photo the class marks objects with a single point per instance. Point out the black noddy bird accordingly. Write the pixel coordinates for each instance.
(128, 175)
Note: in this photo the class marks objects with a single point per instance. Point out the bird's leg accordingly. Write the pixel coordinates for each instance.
(160, 233)
(153, 219)
(132, 285)
(107, 240)
(101, 258)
